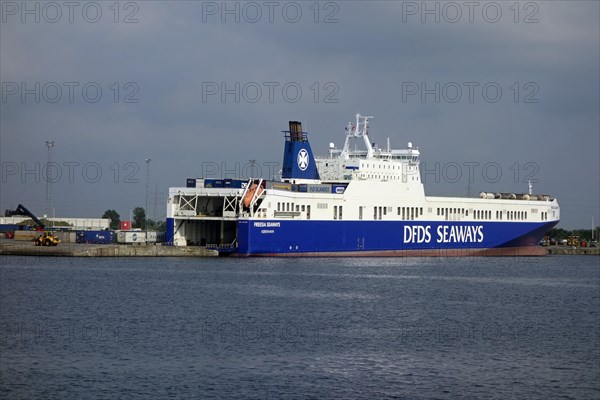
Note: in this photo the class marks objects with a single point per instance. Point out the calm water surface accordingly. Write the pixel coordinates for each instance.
(300, 328)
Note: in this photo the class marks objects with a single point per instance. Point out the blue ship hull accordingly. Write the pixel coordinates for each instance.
(328, 238)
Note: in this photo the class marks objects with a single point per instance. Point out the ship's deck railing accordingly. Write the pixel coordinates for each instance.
(295, 136)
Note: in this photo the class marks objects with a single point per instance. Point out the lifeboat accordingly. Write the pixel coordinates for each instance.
(250, 194)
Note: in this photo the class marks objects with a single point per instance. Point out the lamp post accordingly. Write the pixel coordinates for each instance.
(49, 145)
(146, 209)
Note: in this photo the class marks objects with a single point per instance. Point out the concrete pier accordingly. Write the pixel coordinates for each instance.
(23, 248)
(12, 248)
(574, 251)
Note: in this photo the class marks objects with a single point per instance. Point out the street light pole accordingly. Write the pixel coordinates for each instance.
(49, 145)
(146, 209)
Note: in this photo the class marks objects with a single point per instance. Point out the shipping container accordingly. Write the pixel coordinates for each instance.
(213, 183)
(66, 236)
(235, 183)
(279, 186)
(125, 225)
(95, 237)
(199, 182)
(325, 188)
(10, 227)
(338, 189)
(191, 183)
(27, 235)
(135, 237)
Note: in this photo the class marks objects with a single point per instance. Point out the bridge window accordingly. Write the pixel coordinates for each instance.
(334, 212)
(307, 212)
(340, 213)
(360, 212)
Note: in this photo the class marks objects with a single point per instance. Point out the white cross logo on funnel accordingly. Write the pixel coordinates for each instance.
(303, 159)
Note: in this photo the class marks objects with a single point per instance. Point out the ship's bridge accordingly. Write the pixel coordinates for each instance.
(369, 162)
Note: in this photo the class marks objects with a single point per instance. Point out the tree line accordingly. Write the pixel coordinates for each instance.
(584, 234)
(139, 220)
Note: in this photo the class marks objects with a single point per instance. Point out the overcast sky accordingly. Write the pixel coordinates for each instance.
(492, 88)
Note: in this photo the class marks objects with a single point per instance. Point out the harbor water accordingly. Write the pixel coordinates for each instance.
(211, 328)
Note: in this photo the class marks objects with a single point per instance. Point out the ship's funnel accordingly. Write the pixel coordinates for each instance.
(298, 160)
(295, 131)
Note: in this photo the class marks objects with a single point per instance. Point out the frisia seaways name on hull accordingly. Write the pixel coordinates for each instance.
(360, 200)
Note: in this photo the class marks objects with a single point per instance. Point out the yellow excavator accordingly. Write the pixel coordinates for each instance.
(47, 239)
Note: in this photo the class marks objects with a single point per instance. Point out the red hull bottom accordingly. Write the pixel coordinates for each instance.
(525, 251)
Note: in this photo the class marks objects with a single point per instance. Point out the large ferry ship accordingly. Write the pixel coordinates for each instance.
(360, 200)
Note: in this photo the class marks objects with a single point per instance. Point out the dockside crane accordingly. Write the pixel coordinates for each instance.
(22, 210)
(46, 238)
